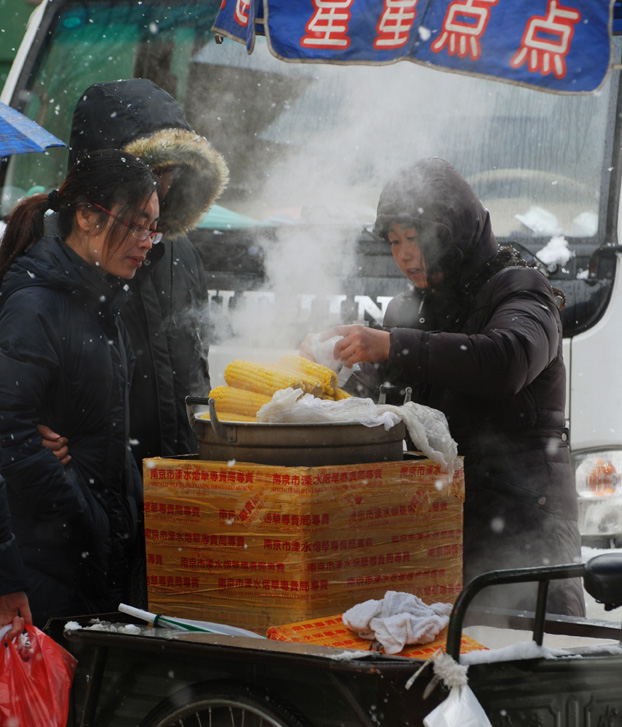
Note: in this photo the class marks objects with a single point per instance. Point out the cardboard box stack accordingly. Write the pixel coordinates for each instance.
(258, 546)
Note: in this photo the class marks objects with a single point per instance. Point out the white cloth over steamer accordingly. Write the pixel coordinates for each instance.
(427, 427)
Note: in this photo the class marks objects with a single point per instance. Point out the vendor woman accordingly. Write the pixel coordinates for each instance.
(479, 338)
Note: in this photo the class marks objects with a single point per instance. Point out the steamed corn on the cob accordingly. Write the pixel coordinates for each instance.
(341, 394)
(227, 416)
(237, 401)
(268, 378)
(326, 377)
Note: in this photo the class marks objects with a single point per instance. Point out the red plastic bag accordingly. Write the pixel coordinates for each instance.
(35, 679)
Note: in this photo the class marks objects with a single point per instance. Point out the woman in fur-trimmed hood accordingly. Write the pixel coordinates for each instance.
(138, 116)
(166, 313)
(479, 338)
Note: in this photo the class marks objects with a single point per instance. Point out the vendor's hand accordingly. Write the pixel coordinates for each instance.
(359, 344)
(15, 610)
(55, 443)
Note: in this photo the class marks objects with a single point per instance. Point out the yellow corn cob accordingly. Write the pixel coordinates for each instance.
(327, 377)
(237, 401)
(226, 416)
(341, 394)
(267, 378)
(309, 383)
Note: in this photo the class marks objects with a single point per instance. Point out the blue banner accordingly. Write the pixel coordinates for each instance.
(557, 45)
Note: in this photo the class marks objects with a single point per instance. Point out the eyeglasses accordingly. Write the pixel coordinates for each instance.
(138, 232)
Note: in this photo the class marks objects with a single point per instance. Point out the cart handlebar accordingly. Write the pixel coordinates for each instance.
(602, 579)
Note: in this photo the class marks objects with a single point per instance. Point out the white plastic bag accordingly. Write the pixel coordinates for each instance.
(460, 709)
(323, 352)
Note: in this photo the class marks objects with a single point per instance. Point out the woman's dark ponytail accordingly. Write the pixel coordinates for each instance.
(24, 227)
(53, 201)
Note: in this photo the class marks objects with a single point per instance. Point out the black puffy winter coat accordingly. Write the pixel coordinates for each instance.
(64, 362)
(485, 348)
(166, 315)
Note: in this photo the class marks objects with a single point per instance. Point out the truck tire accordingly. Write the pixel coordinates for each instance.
(220, 704)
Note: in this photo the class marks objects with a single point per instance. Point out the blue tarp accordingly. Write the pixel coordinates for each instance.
(556, 45)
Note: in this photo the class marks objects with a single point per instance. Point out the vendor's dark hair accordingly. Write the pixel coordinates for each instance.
(107, 177)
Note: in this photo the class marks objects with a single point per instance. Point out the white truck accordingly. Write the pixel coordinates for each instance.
(288, 247)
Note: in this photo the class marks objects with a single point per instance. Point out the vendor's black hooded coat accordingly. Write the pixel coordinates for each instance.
(485, 348)
(166, 315)
(64, 362)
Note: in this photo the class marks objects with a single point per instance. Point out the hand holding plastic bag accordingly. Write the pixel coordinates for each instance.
(35, 679)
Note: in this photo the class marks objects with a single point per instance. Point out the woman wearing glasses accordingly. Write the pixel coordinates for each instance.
(65, 360)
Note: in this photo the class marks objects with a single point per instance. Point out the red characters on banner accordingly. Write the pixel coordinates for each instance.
(463, 28)
(242, 8)
(328, 26)
(546, 40)
(395, 23)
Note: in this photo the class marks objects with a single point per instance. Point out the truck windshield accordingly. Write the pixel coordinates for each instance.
(317, 142)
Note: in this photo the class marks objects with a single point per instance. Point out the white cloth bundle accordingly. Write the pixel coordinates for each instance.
(398, 619)
(427, 427)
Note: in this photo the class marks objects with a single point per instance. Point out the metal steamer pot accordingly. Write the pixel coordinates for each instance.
(293, 445)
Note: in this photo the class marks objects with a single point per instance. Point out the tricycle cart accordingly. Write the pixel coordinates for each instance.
(130, 674)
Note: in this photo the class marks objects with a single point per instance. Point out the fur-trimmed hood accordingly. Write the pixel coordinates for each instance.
(140, 117)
